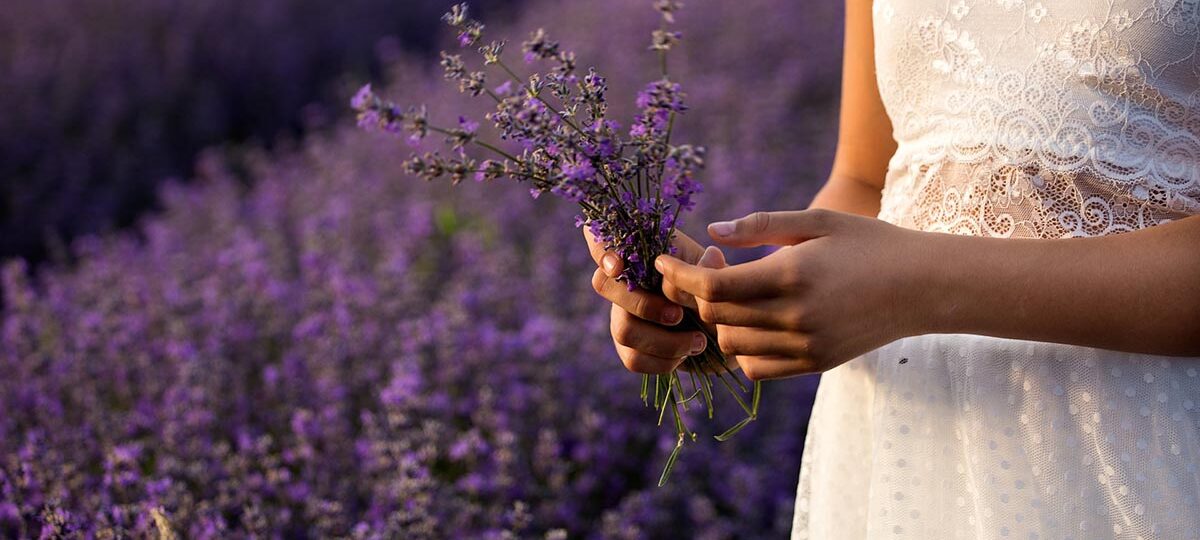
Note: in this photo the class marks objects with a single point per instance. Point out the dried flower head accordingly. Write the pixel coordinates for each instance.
(453, 66)
(663, 40)
(539, 46)
(630, 187)
(491, 52)
(457, 16)
(668, 9)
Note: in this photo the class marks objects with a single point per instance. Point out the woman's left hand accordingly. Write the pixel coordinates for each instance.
(841, 286)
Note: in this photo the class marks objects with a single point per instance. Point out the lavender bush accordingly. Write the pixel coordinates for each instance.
(342, 352)
(103, 100)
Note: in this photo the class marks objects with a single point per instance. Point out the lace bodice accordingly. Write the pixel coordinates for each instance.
(1044, 118)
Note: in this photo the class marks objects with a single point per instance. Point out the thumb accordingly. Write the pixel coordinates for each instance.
(773, 228)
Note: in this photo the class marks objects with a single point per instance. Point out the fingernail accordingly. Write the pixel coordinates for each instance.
(722, 228)
(609, 262)
(658, 264)
(699, 342)
(672, 315)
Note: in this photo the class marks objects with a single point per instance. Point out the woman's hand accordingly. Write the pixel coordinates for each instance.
(642, 323)
(843, 285)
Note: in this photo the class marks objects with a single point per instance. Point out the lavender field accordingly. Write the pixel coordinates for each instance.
(103, 100)
(307, 343)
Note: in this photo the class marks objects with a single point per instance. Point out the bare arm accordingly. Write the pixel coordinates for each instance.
(1136, 292)
(865, 141)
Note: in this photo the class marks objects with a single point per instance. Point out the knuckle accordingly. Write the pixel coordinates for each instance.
(641, 363)
(759, 221)
(622, 331)
(813, 350)
(794, 319)
(599, 280)
(821, 218)
(630, 360)
(639, 304)
(707, 311)
(793, 276)
(710, 289)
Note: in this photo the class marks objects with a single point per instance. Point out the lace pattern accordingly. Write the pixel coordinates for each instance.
(1040, 118)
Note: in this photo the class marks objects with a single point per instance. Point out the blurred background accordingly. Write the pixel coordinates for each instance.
(228, 314)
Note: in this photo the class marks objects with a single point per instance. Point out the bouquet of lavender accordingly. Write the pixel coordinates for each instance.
(631, 186)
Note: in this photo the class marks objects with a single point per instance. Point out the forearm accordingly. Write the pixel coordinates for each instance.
(847, 194)
(1135, 292)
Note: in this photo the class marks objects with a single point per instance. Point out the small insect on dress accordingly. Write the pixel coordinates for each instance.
(1030, 119)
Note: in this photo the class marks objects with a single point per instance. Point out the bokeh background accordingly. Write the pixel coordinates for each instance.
(228, 314)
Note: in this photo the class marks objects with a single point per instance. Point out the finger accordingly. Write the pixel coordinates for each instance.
(686, 249)
(733, 314)
(754, 279)
(743, 341)
(651, 338)
(764, 314)
(774, 228)
(674, 294)
(710, 258)
(640, 362)
(612, 264)
(758, 368)
(648, 306)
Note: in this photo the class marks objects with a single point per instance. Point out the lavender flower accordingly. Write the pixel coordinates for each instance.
(630, 191)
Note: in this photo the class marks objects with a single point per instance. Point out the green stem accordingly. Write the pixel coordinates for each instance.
(736, 397)
(666, 398)
(477, 142)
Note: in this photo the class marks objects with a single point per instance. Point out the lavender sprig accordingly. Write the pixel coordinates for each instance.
(631, 185)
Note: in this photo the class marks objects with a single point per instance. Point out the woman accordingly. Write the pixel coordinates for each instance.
(1000, 280)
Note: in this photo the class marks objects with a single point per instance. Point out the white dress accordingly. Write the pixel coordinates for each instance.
(1021, 118)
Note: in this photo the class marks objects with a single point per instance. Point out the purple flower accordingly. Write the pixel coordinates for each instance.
(362, 98)
(467, 125)
(579, 169)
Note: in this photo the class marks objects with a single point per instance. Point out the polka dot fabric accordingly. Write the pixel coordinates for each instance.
(978, 437)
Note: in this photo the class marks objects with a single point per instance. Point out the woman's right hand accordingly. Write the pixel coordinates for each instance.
(643, 323)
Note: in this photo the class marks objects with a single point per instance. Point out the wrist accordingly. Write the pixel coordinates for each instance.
(938, 301)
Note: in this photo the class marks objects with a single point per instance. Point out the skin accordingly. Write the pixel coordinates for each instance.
(844, 283)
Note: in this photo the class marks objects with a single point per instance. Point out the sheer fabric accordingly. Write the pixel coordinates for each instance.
(1034, 119)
